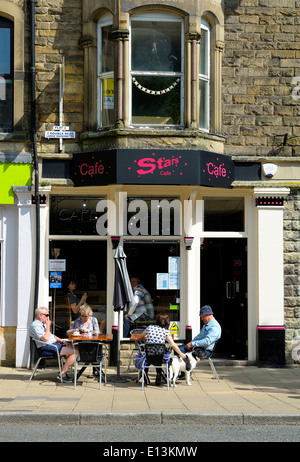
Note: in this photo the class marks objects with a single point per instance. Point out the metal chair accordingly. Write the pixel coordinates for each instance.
(56, 355)
(90, 353)
(137, 344)
(212, 366)
(155, 357)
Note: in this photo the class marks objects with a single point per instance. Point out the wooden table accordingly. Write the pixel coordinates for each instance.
(137, 337)
(86, 337)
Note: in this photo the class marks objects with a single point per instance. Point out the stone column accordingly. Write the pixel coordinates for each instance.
(90, 82)
(192, 47)
(121, 36)
(216, 90)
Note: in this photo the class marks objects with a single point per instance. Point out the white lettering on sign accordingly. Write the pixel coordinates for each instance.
(59, 134)
(60, 127)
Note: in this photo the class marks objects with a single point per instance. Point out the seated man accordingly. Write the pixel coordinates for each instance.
(209, 334)
(141, 308)
(40, 330)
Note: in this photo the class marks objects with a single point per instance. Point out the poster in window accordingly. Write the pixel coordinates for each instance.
(55, 279)
(108, 93)
(162, 280)
(174, 265)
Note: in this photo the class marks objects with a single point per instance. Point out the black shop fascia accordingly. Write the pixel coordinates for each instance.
(152, 167)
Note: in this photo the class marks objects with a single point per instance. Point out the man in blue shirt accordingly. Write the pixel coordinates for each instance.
(40, 330)
(209, 334)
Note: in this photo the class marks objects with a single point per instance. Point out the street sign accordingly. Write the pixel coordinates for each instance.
(61, 127)
(59, 134)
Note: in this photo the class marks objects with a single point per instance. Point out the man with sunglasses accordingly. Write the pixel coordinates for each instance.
(40, 329)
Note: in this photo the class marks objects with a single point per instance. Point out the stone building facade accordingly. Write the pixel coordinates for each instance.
(234, 97)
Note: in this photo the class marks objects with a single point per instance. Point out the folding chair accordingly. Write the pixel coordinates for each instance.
(91, 353)
(56, 355)
(155, 357)
(137, 344)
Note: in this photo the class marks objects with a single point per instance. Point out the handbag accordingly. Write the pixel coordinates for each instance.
(140, 360)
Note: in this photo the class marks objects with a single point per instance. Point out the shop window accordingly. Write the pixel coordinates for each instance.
(105, 72)
(153, 216)
(74, 215)
(204, 78)
(159, 274)
(6, 75)
(86, 266)
(224, 214)
(156, 69)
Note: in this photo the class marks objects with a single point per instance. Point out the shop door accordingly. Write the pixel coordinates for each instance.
(224, 288)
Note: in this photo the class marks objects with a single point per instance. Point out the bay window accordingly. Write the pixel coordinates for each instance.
(204, 77)
(105, 72)
(6, 75)
(156, 69)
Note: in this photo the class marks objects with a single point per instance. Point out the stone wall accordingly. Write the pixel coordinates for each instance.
(7, 346)
(291, 276)
(261, 57)
(58, 34)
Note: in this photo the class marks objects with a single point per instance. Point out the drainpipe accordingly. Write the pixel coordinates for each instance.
(35, 161)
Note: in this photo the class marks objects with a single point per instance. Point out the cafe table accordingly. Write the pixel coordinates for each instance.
(87, 338)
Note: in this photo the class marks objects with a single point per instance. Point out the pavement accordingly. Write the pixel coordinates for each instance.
(245, 395)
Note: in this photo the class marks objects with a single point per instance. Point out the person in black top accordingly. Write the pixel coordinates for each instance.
(73, 301)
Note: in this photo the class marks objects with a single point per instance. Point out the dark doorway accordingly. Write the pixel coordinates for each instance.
(224, 288)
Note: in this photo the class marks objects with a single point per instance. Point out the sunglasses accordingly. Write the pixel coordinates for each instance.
(46, 315)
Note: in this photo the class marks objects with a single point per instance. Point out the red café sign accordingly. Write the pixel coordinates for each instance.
(134, 166)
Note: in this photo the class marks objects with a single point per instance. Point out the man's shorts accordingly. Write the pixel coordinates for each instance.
(50, 350)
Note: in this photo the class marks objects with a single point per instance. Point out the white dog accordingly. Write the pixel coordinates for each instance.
(179, 365)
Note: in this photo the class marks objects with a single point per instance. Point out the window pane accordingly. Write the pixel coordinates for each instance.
(223, 214)
(203, 62)
(204, 104)
(107, 105)
(73, 215)
(156, 46)
(6, 104)
(162, 108)
(107, 50)
(5, 51)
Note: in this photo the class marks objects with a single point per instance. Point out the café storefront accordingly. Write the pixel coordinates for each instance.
(188, 233)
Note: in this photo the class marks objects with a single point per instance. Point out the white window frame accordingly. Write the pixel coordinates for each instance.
(105, 20)
(166, 17)
(205, 78)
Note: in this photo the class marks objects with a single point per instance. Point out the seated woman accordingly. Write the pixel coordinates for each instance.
(85, 324)
(159, 333)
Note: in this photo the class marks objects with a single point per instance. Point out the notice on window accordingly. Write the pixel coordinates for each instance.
(174, 271)
(173, 281)
(174, 329)
(162, 281)
(174, 265)
(57, 265)
(55, 279)
(108, 93)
